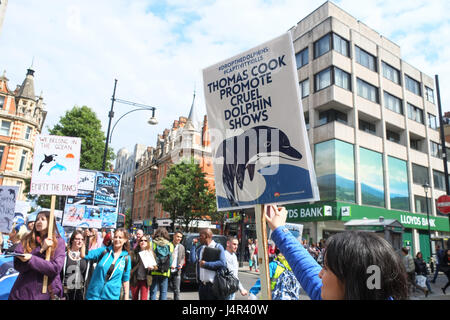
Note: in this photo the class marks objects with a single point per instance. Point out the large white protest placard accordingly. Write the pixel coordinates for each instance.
(55, 165)
(8, 196)
(260, 145)
(147, 258)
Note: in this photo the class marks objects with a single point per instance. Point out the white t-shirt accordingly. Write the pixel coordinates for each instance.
(206, 275)
(233, 265)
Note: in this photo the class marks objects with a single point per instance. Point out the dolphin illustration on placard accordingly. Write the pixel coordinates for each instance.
(241, 152)
(47, 160)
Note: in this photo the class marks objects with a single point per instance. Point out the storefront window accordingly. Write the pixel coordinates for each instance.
(335, 170)
(398, 184)
(371, 177)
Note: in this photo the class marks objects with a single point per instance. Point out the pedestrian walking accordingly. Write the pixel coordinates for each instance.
(348, 260)
(178, 260)
(206, 270)
(163, 249)
(408, 263)
(233, 264)
(75, 270)
(139, 275)
(439, 262)
(32, 266)
(446, 268)
(254, 255)
(421, 270)
(112, 271)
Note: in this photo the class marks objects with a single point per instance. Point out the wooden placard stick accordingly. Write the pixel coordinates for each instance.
(49, 235)
(263, 252)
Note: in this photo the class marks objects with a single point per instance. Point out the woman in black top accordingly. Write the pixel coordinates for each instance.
(75, 268)
(422, 269)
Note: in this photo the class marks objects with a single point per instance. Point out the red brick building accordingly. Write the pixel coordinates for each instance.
(22, 116)
(187, 138)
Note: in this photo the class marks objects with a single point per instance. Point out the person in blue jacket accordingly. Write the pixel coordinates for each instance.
(113, 269)
(357, 265)
(206, 270)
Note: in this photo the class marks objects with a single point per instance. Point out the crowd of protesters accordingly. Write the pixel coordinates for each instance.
(110, 264)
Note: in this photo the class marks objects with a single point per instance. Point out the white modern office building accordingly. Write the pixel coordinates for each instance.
(372, 122)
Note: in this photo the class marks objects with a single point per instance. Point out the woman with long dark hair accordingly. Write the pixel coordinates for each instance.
(357, 265)
(32, 265)
(139, 274)
(75, 269)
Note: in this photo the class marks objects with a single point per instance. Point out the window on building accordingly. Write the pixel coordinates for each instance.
(332, 115)
(429, 94)
(412, 85)
(392, 136)
(2, 151)
(415, 113)
(331, 41)
(389, 72)
(393, 103)
(367, 127)
(342, 79)
(340, 45)
(435, 149)
(332, 75)
(432, 122)
(420, 174)
(322, 46)
(322, 79)
(439, 180)
(2, 102)
(302, 58)
(371, 177)
(366, 59)
(304, 88)
(28, 133)
(398, 183)
(367, 91)
(23, 160)
(421, 204)
(306, 116)
(5, 128)
(335, 170)
(415, 143)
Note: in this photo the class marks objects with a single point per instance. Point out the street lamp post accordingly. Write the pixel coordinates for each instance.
(426, 186)
(141, 107)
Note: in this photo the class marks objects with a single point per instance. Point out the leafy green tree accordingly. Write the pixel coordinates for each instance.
(185, 194)
(82, 122)
(128, 220)
(79, 122)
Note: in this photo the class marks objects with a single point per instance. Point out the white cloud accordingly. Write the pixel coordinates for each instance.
(80, 47)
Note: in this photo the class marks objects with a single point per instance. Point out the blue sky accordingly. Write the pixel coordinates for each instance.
(157, 49)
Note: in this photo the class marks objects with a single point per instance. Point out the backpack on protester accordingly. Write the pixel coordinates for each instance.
(287, 286)
(225, 283)
(163, 257)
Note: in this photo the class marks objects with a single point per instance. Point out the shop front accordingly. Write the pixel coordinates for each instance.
(322, 219)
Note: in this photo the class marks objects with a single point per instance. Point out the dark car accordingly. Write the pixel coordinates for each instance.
(188, 273)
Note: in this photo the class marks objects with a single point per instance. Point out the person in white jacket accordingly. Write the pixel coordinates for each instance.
(232, 264)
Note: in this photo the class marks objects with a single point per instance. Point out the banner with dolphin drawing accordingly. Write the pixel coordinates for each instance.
(96, 203)
(258, 135)
(55, 165)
